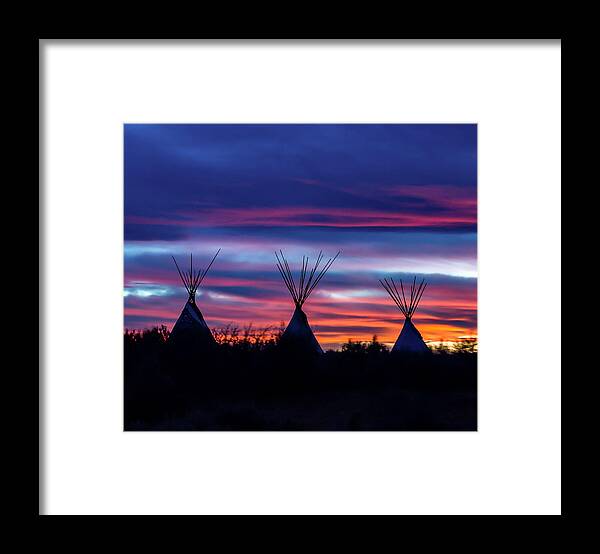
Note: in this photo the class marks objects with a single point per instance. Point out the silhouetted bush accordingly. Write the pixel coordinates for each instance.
(249, 338)
(466, 346)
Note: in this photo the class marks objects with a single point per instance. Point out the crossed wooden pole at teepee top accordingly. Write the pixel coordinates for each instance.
(192, 280)
(409, 307)
(308, 279)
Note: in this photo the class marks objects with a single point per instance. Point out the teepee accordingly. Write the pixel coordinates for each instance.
(409, 340)
(191, 327)
(298, 333)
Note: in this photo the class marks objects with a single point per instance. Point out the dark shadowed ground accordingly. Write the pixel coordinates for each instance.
(259, 387)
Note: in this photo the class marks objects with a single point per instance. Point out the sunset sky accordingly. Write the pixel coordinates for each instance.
(397, 200)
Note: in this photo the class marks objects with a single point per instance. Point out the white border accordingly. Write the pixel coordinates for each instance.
(511, 466)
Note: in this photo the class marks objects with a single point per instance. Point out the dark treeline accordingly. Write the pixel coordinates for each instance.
(248, 382)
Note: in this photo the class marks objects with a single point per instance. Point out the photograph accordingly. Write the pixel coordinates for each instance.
(300, 277)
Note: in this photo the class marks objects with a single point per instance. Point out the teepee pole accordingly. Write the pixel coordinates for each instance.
(283, 275)
(405, 303)
(399, 297)
(302, 275)
(390, 291)
(322, 274)
(395, 293)
(208, 267)
(291, 277)
(420, 294)
(285, 279)
(314, 269)
(181, 274)
(307, 281)
(286, 274)
(191, 280)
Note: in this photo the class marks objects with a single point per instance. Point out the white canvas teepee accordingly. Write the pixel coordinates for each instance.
(409, 340)
(190, 326)
(298, 333)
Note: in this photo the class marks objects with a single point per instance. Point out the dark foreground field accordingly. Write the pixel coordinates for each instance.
(259, 387)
